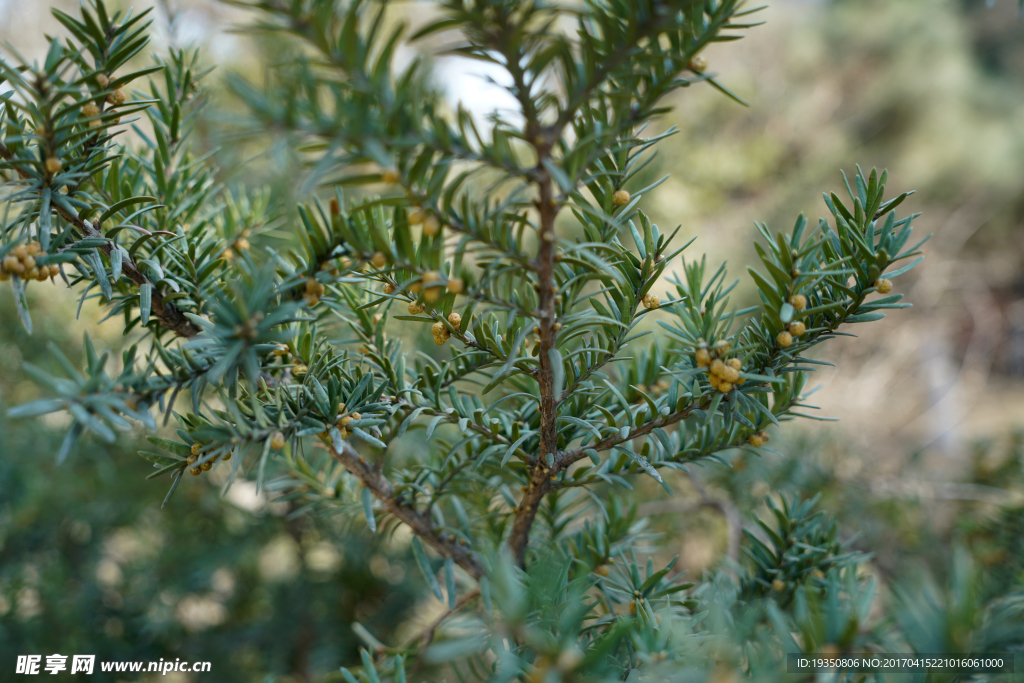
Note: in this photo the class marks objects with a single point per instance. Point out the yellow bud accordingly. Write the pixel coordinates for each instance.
(717, 367)
(12, 264)
(54, 270)
(602, 570)
(415, 308)
(456, 285)
(725, 387)
(798, 301)
(90, 110)
(620, 198)
(390, 176)
(735, 363)
(730, 375)
(431, 226)
(455, 320)
(651, 301)
(102, 80)
(277, 441)
(784, 339)
(195, 471)
(432, 294)
(53, 165)
(379, 259)
(117, 97)
(698, 63)
(884, 286)
(778, 585)
(388, 288)
(796, 328)
(416, 288)
(703, 358)
(438, 328)
(417, 216)
(206, 466)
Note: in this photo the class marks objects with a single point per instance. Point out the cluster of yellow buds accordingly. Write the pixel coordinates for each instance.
(431, 224)
(440, 331)
(117, 98)
(314, 290)
(651, 301)
(345, 420)
(197, 450)
(757, 440)
(22, 262)
(722, 375)
(795, 328)
(90, 111)
(433, 290)
(725, 375)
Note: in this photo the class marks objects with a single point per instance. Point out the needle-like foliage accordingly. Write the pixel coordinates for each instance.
(521, 242)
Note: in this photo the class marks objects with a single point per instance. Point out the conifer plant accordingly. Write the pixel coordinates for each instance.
(580, 352)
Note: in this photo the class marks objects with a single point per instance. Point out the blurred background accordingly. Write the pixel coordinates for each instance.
(928, 453)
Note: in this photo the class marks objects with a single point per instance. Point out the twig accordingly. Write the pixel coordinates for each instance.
(169, 315)
(421, 524)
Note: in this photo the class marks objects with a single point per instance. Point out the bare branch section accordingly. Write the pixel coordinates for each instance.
(170, 316)
(421, 525)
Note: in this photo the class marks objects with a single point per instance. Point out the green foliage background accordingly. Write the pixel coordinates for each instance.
(933, 91)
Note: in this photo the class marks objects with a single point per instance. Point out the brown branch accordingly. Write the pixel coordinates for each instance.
(569, 457)
(540, 477)
(421, 524)
(169, 315)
